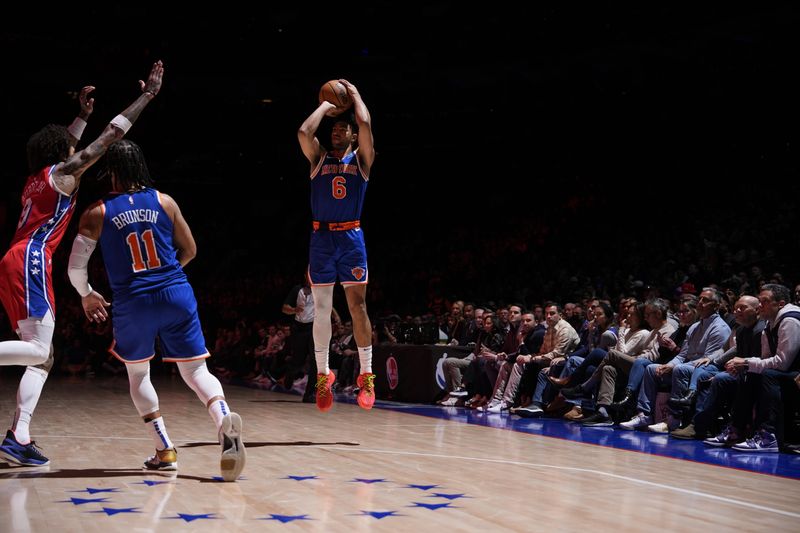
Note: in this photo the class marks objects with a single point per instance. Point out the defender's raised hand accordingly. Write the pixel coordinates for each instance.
(153, 84)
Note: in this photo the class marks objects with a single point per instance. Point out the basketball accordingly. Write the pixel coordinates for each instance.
(334, 92)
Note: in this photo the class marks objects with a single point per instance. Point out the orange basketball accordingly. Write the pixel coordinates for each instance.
(334, 92)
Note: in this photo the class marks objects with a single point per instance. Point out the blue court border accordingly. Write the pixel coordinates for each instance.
(773, 464)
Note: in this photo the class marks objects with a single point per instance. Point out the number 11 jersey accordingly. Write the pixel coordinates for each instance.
(137, 244)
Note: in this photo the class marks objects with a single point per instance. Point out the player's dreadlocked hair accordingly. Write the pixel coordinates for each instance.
(48, 146)
(126, 160)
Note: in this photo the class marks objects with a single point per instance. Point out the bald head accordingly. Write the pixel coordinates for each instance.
(746, 310)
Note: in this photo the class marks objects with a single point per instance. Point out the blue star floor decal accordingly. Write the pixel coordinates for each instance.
(300, 478)
(421, 487)
(192, 517)
(285, 519)
(90, 490)
(219, 478)
(433, 506)
(82, 501)
(447, 496)
(380, 514)
(111, 511)
(152, 483)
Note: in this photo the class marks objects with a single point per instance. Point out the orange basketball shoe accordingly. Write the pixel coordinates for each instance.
(366, 390)
(324, 393)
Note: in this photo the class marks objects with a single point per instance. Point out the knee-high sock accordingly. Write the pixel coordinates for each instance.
(28, 393)
(206, 386)
(34, 348)
(323, 305)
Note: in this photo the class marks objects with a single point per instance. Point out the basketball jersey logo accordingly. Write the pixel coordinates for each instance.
(357, 273)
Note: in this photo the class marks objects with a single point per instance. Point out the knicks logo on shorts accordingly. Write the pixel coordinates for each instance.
(358, 273)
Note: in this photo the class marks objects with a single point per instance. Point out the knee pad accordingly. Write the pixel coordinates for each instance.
(142, 392)
(47, 365)
(200, 380)
(38, 333)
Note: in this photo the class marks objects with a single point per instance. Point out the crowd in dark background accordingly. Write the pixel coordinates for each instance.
(566, 259)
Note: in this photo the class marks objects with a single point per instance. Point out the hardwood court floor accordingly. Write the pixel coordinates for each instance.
(352, 470)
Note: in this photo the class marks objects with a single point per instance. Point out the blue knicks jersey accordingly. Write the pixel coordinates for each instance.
(137, 244)
(337, 189)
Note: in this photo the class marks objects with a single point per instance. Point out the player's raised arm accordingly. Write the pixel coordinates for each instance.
(67, 175)
(307, 134)
(87, 107)
(366, 146)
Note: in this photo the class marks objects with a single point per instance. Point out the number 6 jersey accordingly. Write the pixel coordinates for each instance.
(337, 189)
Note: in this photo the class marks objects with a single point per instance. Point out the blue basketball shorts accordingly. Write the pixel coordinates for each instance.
(338, 255)
(170, 314)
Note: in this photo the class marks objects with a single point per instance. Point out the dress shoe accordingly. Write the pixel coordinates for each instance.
(558, 407)
(684, 402)
(560, 382)
(575, 414)
(624, 403)
(597, 420)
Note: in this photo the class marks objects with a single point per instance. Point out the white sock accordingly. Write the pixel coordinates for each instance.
(218, 409)
(322, 361)
(158, 432)
(365, 358)
(30, 388)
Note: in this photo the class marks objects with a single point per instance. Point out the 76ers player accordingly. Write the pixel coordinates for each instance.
(339, 179)
(146, 242)
(26, 288)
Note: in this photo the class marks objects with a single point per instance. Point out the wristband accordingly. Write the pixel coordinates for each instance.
(122, 123)
(76, 128)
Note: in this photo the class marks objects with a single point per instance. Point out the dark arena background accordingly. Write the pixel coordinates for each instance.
(551, 153)
(547, 156)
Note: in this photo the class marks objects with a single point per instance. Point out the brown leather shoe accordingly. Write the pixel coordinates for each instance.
(559, 382)
(575, 414)
(557, 408)
(480, 403)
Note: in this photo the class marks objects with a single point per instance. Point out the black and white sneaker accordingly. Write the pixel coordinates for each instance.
(532, 411)
(233, 453)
